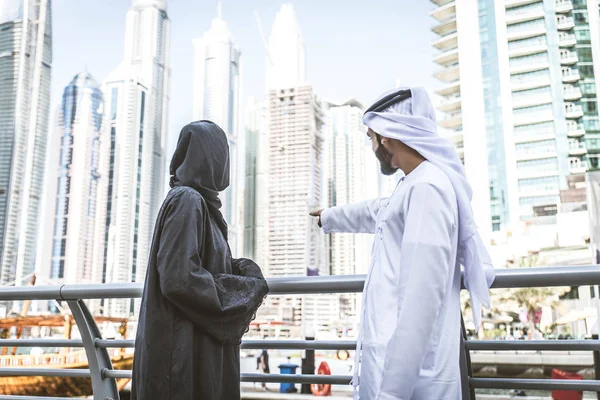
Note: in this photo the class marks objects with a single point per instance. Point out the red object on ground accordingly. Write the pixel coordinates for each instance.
(322, 390)
(566, 394)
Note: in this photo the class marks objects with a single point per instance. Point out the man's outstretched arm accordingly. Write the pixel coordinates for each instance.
(352, 218)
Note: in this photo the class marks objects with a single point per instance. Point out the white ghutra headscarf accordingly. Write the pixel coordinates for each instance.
(408, 116)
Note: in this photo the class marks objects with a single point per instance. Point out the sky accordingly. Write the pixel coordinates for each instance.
(354, 48)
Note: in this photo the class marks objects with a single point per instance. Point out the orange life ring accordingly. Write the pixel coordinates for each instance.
(321, 389)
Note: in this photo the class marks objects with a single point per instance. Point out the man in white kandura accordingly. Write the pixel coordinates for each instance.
(410, 332)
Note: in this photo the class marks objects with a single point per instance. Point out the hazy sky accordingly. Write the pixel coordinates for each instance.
(353, 47)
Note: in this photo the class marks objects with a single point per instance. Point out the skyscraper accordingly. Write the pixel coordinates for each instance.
(256, 192)
(520, 97)
(136, 94)
(295, 171)
(78, 234)
(286, 59)
(216, 98)
(25, 67)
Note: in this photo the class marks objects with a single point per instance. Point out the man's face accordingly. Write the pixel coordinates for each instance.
(382, 154)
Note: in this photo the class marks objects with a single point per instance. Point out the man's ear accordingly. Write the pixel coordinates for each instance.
(385, 140)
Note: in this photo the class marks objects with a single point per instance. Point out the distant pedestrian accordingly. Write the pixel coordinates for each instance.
(262, 363)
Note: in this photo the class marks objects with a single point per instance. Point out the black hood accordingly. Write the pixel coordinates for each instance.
(201, 161)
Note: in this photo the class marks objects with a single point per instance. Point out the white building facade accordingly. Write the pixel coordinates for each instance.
(136, 95)
(519, 94)
(25, 68)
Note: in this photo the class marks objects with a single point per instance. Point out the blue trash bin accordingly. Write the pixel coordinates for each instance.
(287, 369)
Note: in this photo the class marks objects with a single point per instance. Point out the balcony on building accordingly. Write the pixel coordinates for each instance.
(517, 49)
(529, 173)
(564, 23)
(447, 58)
(578, 166)
(451, 103)
(573, 111)
(447, 42)
(532, 138)
(568, 57)
(526, 83)
(534, 155)
(570, 75)
(516, 16)
(444, 12)
(526, 31)
(456, 137)
(449, 74)
(532, 118)
(566, 39)
(564, 6)
(531, 100)
(572, 93)
(442, 2)
(577, 148)
(452, 121)
(444, 28)
(575, 130)
(449, 89)
(528, 66)
(516, 3)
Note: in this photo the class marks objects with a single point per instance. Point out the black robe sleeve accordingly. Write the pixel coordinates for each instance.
(222, 305)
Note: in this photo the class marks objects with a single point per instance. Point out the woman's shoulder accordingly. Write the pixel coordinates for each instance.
(184, 196)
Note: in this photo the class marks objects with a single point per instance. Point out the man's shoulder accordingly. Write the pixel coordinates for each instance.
(433, 176)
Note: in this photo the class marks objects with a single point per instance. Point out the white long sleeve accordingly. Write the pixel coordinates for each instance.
(425, 266)
(352, 218)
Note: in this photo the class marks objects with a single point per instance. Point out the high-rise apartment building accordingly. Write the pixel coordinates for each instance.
(519, 94)
(25, 67)
(295, 118)
(216, 98)
(136, 95)
(295, 170)
(256, 189)
(78, 205)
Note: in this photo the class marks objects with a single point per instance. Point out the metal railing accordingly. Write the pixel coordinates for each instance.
(104, 377)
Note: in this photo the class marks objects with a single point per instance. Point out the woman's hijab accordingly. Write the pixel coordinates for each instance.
(201, 161)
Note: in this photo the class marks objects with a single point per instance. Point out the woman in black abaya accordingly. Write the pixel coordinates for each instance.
(198, 301)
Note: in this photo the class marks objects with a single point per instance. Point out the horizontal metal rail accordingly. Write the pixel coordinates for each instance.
(540, 345)
(114, 344)
(471, 345)
(41, 343)
(2, 397)
(535, 384)
(267, 378)
(67, 373)
(276, 378)
(505, 278)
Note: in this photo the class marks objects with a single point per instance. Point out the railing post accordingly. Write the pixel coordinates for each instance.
(308, 367)
(466, 371)
(596, 362)
(98, 358)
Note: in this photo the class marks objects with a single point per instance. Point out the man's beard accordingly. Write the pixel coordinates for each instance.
(385, 159)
